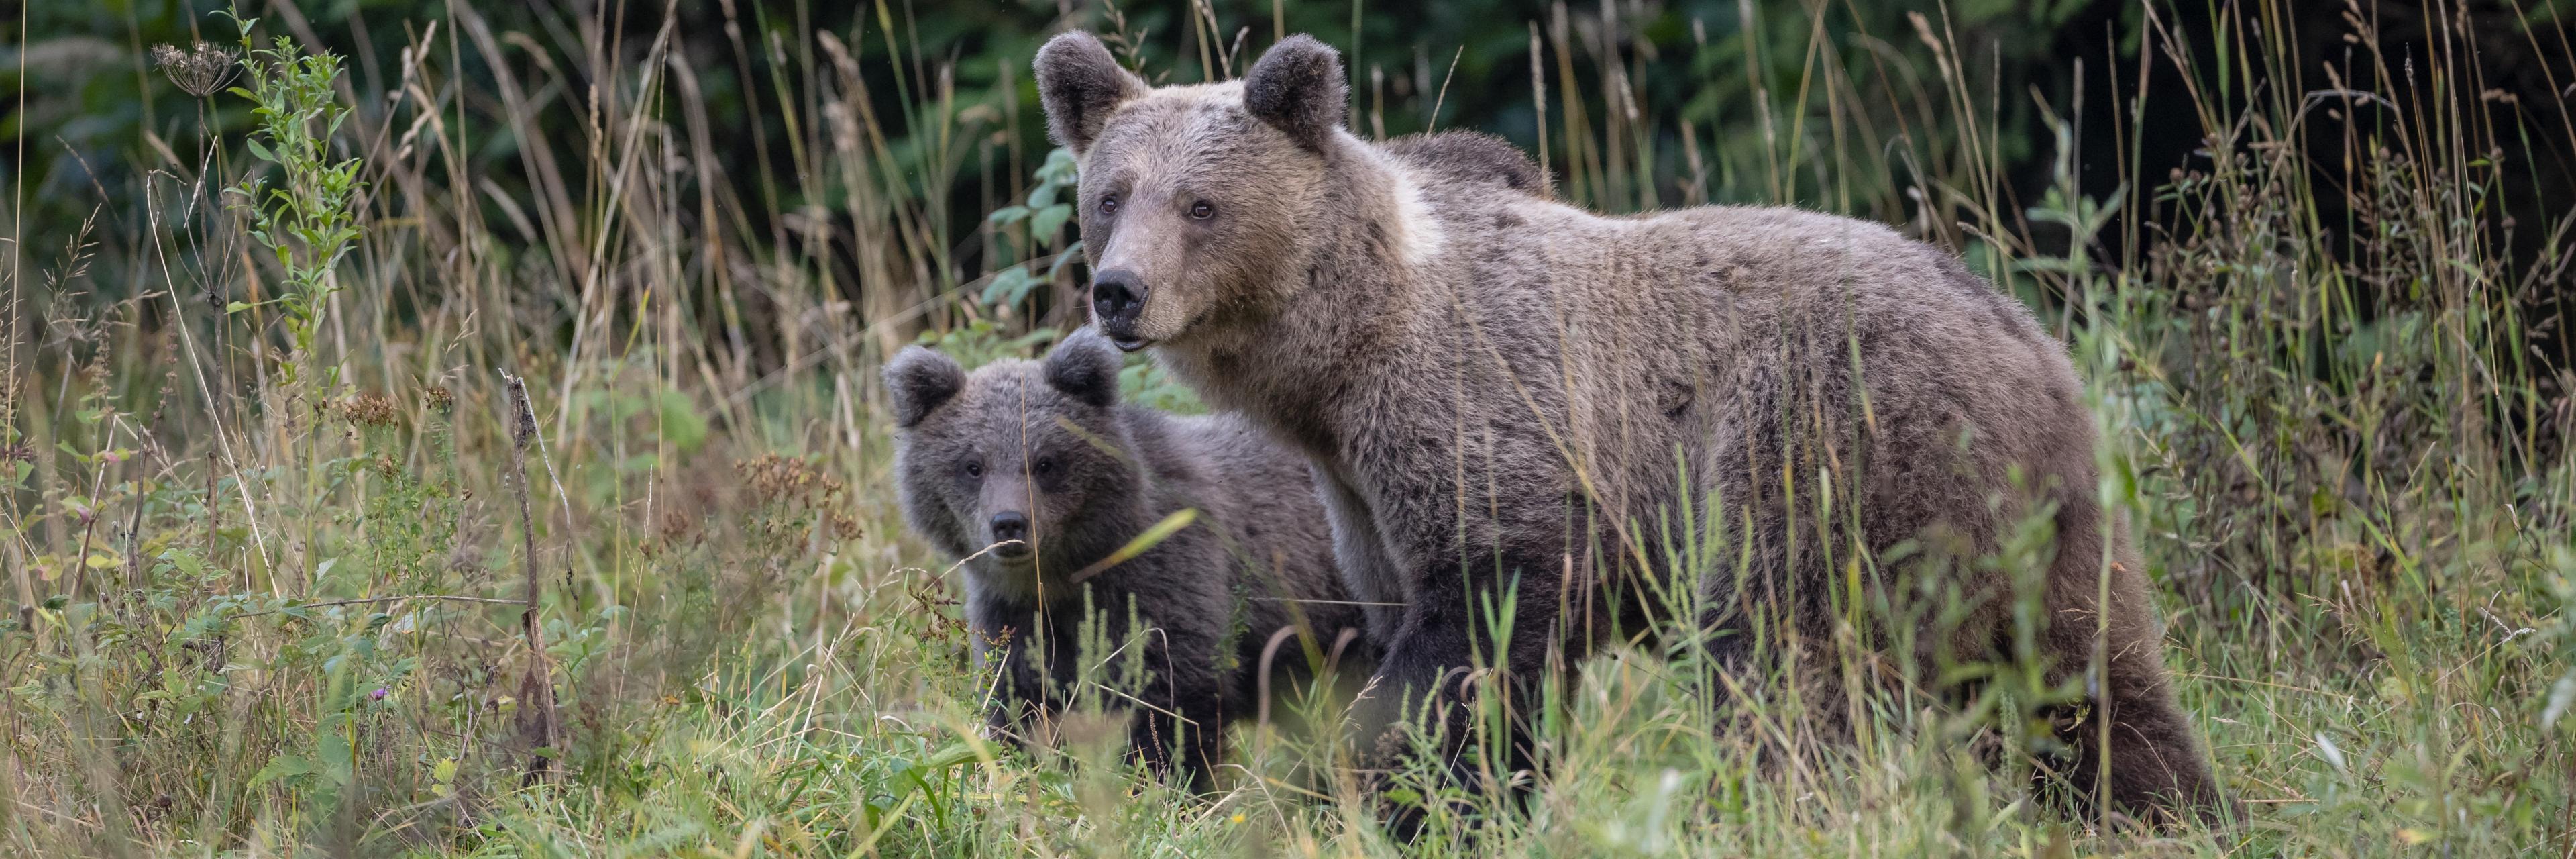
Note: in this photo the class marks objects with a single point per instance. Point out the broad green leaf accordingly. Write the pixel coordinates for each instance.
(1072, 251)
(284, 766)
(1048, 220)
(1008, 285)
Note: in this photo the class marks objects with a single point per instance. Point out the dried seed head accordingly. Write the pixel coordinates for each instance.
(794, 489)
(523, 417)
(369, 410)
(775, 479)
(440, 399)
(198, 72)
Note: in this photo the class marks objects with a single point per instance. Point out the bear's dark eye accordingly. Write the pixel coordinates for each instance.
(974, 469)
(1202, 210)
(1045, 466)
(1108, 204)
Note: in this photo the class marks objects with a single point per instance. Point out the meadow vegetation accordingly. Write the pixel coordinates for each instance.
(357, 503)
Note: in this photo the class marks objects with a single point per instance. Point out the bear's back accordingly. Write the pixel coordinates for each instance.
(1695, 329)
(1723, 278)
(1471, 158)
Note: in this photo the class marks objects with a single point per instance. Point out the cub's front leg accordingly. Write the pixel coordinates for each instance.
(1180, 739)
(1175, 709)
(1022, 709)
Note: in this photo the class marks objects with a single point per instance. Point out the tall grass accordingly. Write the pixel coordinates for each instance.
(263, 610)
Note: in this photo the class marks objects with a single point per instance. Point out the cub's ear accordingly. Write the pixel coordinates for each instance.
(1080, 84)
(918, 380)
(1298, 88)
(1084, 367)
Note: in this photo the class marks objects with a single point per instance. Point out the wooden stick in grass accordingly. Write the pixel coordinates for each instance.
(538, 726)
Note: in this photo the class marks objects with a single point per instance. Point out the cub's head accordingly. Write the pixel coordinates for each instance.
(1195, 200)
(1024, 458)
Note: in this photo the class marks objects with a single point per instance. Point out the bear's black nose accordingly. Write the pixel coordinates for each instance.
(1117, 295)
(1010, 526)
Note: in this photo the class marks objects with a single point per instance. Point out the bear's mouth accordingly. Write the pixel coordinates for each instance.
(1128, 342)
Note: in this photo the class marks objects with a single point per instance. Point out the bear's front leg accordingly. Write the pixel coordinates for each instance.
(1471, 652)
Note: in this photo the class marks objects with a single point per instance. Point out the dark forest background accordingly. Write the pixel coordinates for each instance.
(96, 117)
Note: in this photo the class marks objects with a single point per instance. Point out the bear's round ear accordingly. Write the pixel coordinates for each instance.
(1084, 367)
(1298, 88)
(918, 380)
(1080, 84)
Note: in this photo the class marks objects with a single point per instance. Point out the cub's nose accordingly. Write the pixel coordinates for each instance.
(1117, 295)
(1010, 526)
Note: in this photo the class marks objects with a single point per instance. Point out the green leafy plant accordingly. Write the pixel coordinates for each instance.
(306, 215)
(1046, 217)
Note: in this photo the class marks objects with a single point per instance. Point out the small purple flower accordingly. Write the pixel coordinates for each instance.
(377, 695)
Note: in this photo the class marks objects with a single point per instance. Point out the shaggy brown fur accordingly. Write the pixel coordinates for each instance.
(1502, 393)
(1467, 157)
(1036, 471)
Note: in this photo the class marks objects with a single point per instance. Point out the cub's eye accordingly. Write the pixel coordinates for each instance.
(1202, 210)
(1045, 465)
(1108, 204)
(974, 469)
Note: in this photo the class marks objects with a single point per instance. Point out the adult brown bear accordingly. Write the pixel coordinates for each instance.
(1502, 396)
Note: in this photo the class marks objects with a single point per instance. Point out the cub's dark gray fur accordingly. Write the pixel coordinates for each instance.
(1038, 472)
(1500, 391)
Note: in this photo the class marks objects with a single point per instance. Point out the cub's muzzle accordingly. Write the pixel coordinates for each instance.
(1011, 526)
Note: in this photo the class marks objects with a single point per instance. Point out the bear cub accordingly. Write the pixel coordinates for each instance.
(1036, 475)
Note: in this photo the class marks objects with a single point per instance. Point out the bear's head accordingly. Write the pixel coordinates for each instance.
(1196, 201)
(1022, 461)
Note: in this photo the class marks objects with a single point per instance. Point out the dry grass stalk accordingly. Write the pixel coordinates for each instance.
(539, 725)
